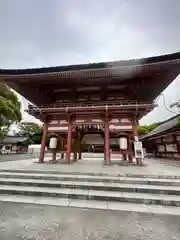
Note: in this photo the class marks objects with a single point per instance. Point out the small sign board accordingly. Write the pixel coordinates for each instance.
(138, 148)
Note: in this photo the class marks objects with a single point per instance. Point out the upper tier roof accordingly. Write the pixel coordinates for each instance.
(93, 66)
(138, 79)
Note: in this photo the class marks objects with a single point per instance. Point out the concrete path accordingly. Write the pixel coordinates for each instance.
(26, 221)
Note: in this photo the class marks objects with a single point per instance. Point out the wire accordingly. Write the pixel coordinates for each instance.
(165, 106)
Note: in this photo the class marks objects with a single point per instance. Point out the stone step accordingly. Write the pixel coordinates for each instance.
(99, 174)
(91, 204)
(119, 187)
(89, 178)
(84, 194)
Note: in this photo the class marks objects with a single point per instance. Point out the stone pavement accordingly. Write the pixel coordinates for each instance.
(37, 222)
(16, 157)
(171, 162)
(154, 167)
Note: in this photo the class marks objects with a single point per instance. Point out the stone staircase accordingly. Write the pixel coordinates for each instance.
(103, 191)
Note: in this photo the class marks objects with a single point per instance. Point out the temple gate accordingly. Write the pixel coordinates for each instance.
(107, 98)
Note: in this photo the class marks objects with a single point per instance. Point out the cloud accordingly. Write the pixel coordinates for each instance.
(60, 32)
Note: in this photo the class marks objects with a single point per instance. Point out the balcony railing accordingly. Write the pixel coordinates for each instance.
(91, 107)
(88, 104)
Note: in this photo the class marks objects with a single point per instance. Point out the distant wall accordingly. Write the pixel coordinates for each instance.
(34, 148)
(164, 146)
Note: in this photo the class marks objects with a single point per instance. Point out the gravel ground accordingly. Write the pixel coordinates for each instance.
(37, 222)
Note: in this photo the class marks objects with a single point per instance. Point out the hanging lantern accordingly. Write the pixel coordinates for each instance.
(53, 143)
(123, 143)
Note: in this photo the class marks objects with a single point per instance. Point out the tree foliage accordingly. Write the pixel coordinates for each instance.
(31, 130)
(142, 130)
(176, 104)
(10, 109)
(146, 129)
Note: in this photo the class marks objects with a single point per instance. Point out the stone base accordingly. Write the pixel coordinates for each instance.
(126, 163)
(39, 162)
(61, 161)
(107, 162)
(53, 162)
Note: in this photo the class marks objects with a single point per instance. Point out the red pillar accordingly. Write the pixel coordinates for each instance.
(106, 141)
(43, 143)
(177, 144)
(69, 140)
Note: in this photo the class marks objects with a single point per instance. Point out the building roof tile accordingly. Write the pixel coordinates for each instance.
(165, 126)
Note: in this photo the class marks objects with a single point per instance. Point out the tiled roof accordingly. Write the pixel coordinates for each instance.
(165, 126)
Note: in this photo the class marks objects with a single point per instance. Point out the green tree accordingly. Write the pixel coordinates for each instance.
(142, 130)
(10, 109)
(175, 104)
(31, 130)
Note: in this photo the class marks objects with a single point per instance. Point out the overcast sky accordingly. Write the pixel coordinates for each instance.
(61, 32)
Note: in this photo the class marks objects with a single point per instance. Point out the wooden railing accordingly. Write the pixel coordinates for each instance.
(88, 104)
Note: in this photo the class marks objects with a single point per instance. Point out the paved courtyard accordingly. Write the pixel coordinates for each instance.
(16, 157)
(36, 222)
(153, 166)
